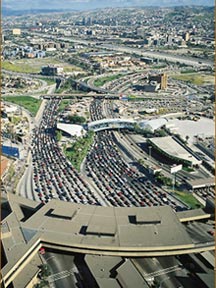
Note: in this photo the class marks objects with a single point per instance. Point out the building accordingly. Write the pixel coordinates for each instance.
(160, 78)
(186, 36)
(147, 60)
(153, 124)
(71, 129)
(16, 31)
(140, 31)
(153, 86)
(51, 70)
(110, 231)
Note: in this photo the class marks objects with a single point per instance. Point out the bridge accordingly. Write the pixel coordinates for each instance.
(80, 95)
(117, 123)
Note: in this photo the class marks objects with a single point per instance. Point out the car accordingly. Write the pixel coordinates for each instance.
(211, 232)
(42, 251)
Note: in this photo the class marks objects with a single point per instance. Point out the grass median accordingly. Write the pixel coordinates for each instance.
(188, 199)
(29, 103)
(79, 149)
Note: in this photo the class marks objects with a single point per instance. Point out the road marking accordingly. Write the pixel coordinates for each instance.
(164, 271)
(61, 275)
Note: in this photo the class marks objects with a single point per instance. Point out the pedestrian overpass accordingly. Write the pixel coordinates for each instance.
(115, 123)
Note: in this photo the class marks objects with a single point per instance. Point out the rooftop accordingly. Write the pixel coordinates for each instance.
(173, 149)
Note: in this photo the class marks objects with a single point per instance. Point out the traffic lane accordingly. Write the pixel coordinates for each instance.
(198, 231)
(61, 265)
(164, 275)
(46, 138)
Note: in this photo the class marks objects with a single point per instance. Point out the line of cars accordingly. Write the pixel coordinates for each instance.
(121, 184)
(54, 176)
(205, 192)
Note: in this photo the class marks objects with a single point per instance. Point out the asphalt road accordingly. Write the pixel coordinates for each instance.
(159, 55)
(62, 268)
(199, 232)
(163, 272)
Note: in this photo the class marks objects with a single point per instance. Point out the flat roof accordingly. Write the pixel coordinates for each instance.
(201, 183)
(111, 120)
(128, 276)
(172, 148)
(64, 224)
(107, 283)
(194, 213)
(207, 278)
(71, 129)
(101, 265)
(115, 222)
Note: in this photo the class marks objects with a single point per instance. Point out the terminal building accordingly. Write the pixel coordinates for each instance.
(27, 226)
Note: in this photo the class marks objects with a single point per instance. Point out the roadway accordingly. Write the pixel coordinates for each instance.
(163, 269)
(158, 55)
(62, 268)
(25, 186)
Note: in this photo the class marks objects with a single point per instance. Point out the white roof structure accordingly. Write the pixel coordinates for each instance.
(152, 124)
(113, 123)
(10, 109)
(72, 129)
(173, 149)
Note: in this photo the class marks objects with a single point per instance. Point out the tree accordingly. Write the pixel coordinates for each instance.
(45, 271)
(75, 119)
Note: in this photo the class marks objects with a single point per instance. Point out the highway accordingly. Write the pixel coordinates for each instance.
(158, 55)
(25, 186)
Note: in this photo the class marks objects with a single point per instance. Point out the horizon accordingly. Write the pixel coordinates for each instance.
(97, 4)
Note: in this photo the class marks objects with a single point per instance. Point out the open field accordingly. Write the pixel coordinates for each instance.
(196, 79)
(34, 65)
(29, 103)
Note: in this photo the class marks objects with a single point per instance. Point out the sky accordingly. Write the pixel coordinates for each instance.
(92, 4)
